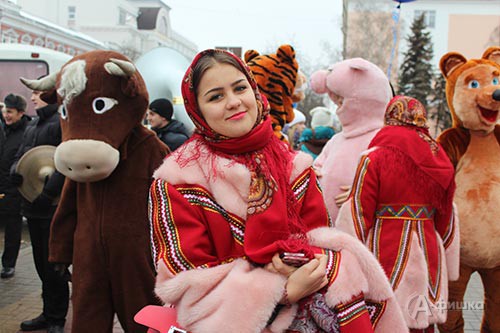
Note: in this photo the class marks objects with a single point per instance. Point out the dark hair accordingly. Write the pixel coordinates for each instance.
(207, 61)
(163, 107)
(15, 102)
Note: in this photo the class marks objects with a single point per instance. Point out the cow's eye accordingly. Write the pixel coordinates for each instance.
(103, 104)
(62, 111)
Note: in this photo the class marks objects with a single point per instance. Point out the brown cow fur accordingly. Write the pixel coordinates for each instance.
(102, 227)
(473, 145)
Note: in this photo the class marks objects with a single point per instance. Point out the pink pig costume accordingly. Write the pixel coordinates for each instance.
(366, 91)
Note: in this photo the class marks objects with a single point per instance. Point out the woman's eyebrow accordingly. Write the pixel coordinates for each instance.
(220, 88)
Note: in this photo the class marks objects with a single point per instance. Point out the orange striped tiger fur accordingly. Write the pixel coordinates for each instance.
(276, 75)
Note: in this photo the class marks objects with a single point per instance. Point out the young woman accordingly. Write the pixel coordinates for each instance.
(401, 207)
(234, 204)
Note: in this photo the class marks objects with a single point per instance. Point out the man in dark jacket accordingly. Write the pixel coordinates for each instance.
(14, 122)
(172, 132)
(46, 130)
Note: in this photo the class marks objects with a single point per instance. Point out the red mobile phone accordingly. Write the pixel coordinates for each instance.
(296, 259)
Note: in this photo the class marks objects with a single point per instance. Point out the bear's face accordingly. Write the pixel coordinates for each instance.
(473, 100)
(473, 89)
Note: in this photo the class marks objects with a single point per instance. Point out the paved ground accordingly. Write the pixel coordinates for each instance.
(20, 296)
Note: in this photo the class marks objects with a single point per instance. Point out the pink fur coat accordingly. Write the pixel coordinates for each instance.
(362, 91)
(240, 297)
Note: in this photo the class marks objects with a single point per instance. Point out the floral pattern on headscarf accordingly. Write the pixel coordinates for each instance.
(404, 110)
(407, 111)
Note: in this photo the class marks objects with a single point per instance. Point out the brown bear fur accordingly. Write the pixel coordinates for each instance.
(472, 144)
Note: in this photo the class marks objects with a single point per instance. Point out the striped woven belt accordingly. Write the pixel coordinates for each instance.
(406, 212)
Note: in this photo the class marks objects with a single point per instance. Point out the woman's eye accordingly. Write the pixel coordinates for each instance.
(214, 97)
(474, 84)
(103, 104)
(241, 88)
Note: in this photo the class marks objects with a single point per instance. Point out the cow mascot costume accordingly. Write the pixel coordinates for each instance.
(101, 225)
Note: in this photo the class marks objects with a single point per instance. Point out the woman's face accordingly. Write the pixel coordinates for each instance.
(227, 101)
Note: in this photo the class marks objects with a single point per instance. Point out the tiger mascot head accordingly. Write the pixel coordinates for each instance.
(276, 76)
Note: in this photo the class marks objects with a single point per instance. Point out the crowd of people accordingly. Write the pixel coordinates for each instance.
(248, 234)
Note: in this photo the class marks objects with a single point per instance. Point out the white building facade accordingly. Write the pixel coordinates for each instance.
(17, 26)
(465, 26)
(130, 26)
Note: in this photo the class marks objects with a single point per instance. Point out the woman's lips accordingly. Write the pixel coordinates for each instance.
(237, 116)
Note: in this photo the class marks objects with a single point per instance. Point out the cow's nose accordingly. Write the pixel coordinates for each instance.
(86, 160)
(496, 95)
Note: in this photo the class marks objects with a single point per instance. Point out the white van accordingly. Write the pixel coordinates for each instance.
(28, 61)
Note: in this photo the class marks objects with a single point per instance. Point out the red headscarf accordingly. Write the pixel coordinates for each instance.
(269, 162)
(406, 130)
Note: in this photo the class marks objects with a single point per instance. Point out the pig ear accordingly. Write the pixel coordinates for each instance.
(451, 61)
(318, 81)
(493, 54)
(358, 66)
(49, 97)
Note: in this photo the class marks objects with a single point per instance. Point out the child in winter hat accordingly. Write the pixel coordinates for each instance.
(321, 116)
(315, 138)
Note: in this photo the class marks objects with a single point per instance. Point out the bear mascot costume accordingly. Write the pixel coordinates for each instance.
(472, 144)
(101, 225)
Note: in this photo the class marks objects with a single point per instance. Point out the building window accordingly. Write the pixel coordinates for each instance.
(26, 39)
(51, 45)
(71, 51)
(429, 17)
(60, 48)
(39, 41)
(122, 19)
(10, 36)
(71, 13)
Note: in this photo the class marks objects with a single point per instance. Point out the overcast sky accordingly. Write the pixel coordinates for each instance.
(259, 24)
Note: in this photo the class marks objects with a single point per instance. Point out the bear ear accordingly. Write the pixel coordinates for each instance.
(286, 53)
(250, 54)
(451, 61)
(493, 54)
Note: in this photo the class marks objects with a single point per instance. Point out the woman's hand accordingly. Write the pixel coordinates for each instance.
(307, 279)
(278, 266)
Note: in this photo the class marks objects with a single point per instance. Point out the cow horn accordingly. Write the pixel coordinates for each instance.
(120, 67)
(44, 84)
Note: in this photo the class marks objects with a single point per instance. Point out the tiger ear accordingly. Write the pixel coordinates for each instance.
(250, 54)
(286, 53)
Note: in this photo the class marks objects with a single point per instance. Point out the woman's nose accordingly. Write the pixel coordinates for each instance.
(233, 101)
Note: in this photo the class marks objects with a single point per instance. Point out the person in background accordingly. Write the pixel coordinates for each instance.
(170, 131)
(401, 207)
(14, 122)
(293, 130)
(315, 138)
(45, 130)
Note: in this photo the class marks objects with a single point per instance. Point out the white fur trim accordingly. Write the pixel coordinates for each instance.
(206, 298)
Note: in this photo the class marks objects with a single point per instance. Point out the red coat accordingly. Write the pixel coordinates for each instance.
(199, 222)
(401, 207)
